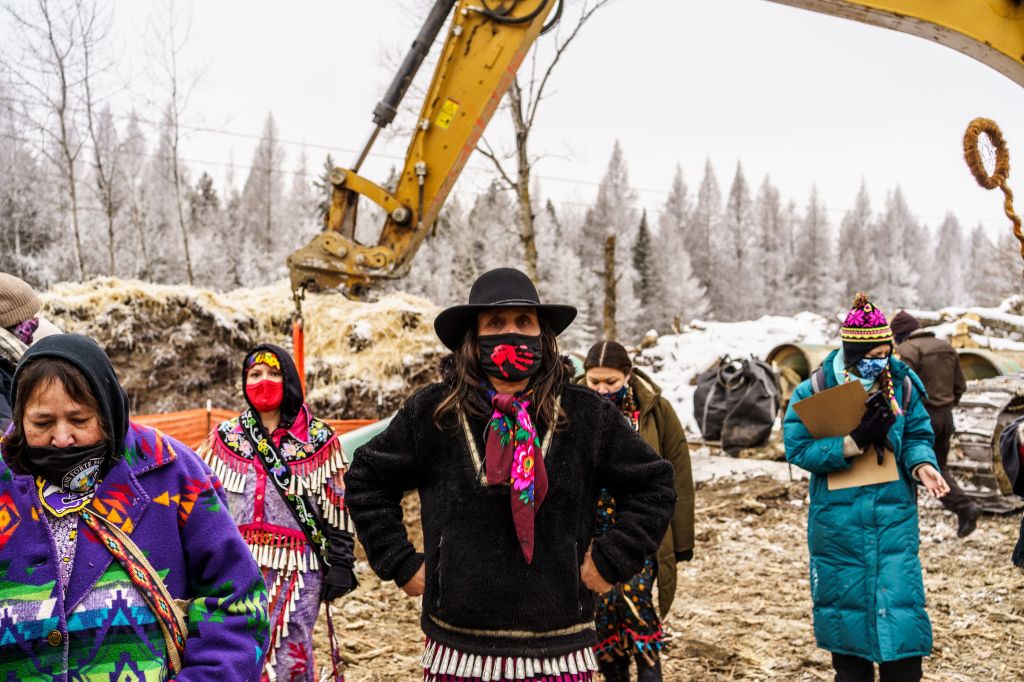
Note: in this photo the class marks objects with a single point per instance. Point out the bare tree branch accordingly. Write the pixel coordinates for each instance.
(585, 14)
(488, 152)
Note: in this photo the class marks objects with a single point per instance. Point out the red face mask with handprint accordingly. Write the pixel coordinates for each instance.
(510, 357)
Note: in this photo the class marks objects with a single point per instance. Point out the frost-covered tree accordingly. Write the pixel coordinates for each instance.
(897, 242)
(263, 208)
(942, 279)
(734, 287)
(496, 241)
(561, 273)
(27, 224)
(704, 224)
(614, 213)
(648, 278)
(816, 287)
(858, 268)
(774, 232)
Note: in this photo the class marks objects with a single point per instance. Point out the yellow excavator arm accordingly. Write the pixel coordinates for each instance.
(487, 41)
(991, 31)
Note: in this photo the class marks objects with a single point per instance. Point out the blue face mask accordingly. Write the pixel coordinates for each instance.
(870, 368)
(618, 396)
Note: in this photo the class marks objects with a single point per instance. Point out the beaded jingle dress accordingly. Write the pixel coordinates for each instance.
(307, 457)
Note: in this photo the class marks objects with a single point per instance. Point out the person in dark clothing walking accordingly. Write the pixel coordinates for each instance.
(938, 365)
(508, 458)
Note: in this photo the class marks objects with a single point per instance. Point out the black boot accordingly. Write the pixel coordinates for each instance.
(648, 673)
(616, 670)
(967, 520)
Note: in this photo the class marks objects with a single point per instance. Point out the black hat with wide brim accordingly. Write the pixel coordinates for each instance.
(499, 288)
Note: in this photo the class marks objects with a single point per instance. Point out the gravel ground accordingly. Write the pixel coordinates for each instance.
(743, 609)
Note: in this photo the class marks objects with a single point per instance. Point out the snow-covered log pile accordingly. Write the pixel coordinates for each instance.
(175, 347)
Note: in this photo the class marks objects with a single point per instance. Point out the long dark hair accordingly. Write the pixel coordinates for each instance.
(462, 378)
(39, 374)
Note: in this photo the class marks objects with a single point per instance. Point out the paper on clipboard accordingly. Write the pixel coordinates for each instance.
(836, 412)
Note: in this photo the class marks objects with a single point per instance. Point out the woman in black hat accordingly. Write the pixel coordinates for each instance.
(508, 458)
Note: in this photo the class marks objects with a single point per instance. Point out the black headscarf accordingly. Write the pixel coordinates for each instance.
(291, 403)
(86, 355)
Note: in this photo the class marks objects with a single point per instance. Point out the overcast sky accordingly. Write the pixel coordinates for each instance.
(804, 97)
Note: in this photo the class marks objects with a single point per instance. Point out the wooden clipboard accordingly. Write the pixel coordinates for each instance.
(836, 412)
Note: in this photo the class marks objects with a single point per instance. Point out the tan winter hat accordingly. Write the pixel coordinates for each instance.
(17, 301)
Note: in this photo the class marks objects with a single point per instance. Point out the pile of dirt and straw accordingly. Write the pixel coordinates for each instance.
(176, 347)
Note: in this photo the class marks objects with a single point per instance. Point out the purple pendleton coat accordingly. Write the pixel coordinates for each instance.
(174, 508)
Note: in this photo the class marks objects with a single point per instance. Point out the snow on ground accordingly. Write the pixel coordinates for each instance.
(677, 359)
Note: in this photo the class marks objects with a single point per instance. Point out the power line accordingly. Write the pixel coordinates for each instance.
(486, 169)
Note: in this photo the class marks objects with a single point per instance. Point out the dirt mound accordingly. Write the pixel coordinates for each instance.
(175, 347)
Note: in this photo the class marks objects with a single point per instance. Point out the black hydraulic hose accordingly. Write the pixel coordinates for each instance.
(554, 20)
(385, 111)
(502, 19)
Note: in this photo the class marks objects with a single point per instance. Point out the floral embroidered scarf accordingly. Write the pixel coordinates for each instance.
(514, 456)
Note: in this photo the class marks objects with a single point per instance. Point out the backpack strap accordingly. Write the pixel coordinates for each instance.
(818, 380)
(908, 387)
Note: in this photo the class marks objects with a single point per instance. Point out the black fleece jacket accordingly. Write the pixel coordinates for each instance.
(481, 596)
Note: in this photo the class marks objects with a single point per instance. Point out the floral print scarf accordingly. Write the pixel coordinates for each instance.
(514, 456)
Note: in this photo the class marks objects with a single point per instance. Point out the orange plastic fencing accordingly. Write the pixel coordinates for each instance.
(192, 426)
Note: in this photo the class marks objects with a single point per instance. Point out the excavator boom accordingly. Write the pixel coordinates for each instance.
(991, 31)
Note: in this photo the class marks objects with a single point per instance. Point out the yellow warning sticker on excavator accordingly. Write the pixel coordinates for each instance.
(447, 114)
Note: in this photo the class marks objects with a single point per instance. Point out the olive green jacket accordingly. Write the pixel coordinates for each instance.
(660, 427)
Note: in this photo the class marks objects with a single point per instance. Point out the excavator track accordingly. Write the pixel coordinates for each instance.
(986, 408)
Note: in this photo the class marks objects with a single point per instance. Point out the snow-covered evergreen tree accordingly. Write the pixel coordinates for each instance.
(895, 246)
(262, 208)
(614, 212)
(682, 296)
(704, 225)
(816, 287)
(774, 233)
(858, 268)
(942, 281)
(734, 286)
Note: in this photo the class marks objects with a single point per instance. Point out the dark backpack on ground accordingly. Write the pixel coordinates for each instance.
(736, 402)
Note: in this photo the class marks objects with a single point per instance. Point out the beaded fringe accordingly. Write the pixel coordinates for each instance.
(280, 551)
(440, 662)
(312, 474)
(229, 467)
(280, 631)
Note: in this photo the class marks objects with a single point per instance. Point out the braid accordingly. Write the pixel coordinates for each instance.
(890, 391)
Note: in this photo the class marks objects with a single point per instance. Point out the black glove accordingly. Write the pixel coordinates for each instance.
(339, 578)
(684, 556)
(874, 427)
(338, 581)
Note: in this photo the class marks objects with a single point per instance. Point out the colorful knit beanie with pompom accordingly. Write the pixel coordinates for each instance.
(865, 327)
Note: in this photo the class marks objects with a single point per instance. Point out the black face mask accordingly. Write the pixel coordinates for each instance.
(73, 468)
(510, 357)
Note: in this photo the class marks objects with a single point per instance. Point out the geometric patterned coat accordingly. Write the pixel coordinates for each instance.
(100, 629)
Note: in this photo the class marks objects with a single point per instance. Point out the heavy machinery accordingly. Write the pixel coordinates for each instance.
(487, 41)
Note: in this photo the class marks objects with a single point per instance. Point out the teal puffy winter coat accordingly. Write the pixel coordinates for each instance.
(865, 574)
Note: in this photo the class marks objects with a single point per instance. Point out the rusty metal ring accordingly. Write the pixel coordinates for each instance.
(972, 155)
